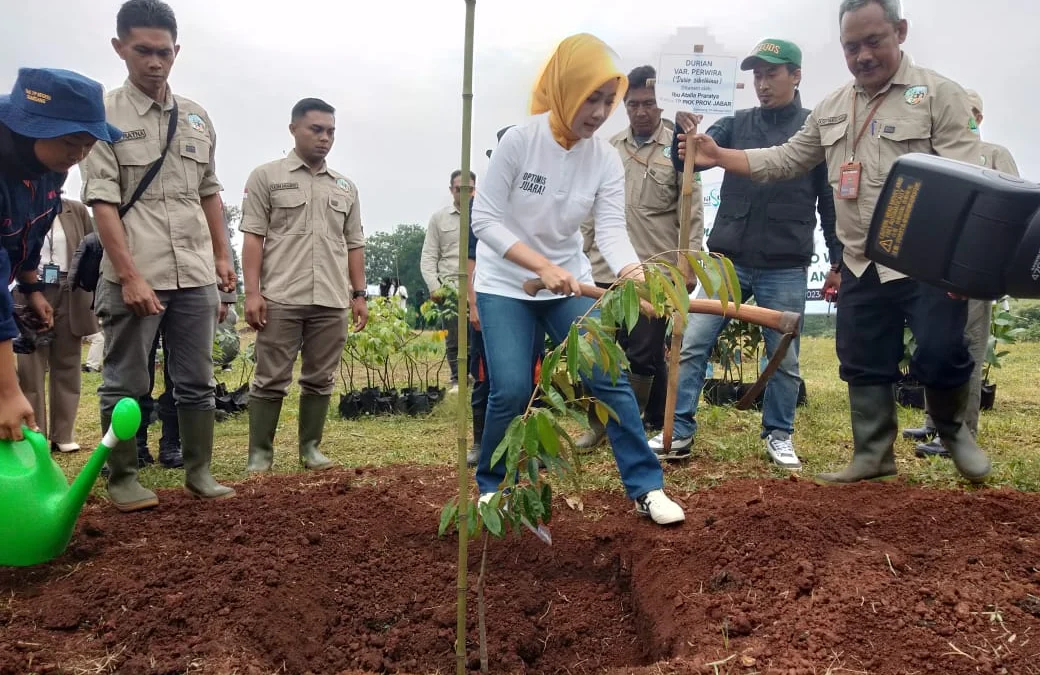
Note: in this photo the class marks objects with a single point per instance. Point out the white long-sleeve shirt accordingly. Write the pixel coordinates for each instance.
(537, 192)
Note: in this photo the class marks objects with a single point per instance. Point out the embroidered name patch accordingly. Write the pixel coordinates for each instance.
(133, 135)
(824, 121)
(284, 186)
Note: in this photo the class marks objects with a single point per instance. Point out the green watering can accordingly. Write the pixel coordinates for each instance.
(38, 507)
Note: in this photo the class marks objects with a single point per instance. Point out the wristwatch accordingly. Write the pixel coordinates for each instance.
(359, 294)
(35, 287)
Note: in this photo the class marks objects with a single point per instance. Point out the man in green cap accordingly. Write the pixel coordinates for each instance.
(767, 231)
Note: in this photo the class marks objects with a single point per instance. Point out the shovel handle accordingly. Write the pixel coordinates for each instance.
(784, 322)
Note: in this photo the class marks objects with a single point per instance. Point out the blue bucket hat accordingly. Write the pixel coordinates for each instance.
(49, 102)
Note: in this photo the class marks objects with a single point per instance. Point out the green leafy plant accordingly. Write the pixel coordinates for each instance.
(537, 436)
(1003, 331)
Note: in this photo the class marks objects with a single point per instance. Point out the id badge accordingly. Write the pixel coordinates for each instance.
(50, 273)
(848, 182)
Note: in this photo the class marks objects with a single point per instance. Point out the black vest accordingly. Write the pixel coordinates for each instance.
(766, 224)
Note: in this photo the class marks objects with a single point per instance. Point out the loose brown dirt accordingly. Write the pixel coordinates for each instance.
(342, 572)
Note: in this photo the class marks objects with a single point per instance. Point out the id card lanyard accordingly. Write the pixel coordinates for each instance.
(852, 171)
(51, 270)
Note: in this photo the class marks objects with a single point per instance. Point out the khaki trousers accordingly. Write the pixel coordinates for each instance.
(317, 333)
(62, 358)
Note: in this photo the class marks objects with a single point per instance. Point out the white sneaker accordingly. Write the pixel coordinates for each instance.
(780, 449)
(662, 510)
(454, 388)
(680, 447)
(66, 447)
(485, 497)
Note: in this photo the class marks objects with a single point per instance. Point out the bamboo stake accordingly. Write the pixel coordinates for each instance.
(685, 218)
(463, 329)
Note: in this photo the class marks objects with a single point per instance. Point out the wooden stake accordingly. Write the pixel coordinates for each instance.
(678, 325)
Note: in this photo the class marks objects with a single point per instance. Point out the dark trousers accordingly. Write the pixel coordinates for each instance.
(451, 346)
(165, 404)
(871, 318)
(644, 347)
(478, 369)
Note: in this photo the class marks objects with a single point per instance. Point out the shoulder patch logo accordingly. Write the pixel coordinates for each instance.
(914, 95)
(973, 126)
(342, 182)
(196, 122)
(667, 151)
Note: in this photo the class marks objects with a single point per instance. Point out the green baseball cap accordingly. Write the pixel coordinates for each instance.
(773, 51)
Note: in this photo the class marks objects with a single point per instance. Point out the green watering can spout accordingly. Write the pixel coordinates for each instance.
(38, 508)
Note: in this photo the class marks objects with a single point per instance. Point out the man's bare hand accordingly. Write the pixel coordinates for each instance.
(140, 298)
(14, 410)
(222, 312)
(707, 150)
(41, 308)
(688, 121)
(256, 311)
(359, 313)
(831, 286)
(226, 278)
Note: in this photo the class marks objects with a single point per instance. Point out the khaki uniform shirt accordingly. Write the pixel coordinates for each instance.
(439, 263)
(166, 230)
(651, 201)
(921, 111)
(998, 158)
(309, 221)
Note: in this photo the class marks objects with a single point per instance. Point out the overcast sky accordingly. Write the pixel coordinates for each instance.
(394, 70)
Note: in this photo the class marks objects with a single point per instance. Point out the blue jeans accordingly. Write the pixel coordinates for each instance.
(780, 289)
(510, 328)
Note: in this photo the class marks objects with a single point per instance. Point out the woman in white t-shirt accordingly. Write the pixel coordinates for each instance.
(545, 178)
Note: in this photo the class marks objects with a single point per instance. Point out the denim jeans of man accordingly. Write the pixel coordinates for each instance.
(780, 289)
(510, 328)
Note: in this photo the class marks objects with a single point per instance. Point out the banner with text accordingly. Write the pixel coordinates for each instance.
(818, 268)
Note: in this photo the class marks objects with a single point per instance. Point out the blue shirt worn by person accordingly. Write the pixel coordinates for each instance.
(30, 198)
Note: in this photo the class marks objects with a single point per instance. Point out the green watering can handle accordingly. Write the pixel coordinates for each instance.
(38, 442)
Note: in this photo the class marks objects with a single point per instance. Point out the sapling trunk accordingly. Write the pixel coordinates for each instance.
(462, 403)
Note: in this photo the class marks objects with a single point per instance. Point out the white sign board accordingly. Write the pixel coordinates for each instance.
(697, 83)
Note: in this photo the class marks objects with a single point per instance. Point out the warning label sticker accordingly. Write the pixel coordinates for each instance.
(897, 214)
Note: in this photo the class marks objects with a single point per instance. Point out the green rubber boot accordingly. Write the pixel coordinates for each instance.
(263, 422)
(874, 429)
(946, 407)
(313, 412)
(125, 491)
(197, 445)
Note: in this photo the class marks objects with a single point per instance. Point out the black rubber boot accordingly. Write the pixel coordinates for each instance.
(170, 456)
(473, 456)
(946, 407)
(920, 434)
(933, 448)
(313, 412)
(263, 423)
(874, 429)
(125, 491)
(197, 439)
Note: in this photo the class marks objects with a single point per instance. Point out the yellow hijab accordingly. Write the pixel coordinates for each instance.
(580, 65)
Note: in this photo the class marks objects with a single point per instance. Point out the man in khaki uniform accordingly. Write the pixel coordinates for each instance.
(161, 254)
(439, 263)
(303, 251)
(891, 108)
(979, 314)
(652, 216)
(73, 319)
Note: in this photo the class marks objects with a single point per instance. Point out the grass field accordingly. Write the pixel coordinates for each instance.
(728, 444)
